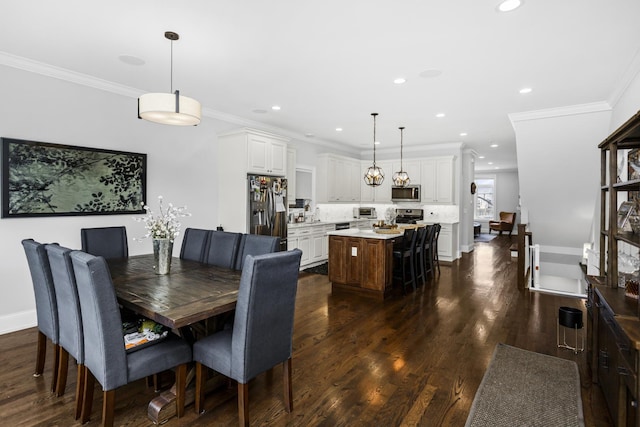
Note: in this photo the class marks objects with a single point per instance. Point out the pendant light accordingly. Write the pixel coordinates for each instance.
(375, 175)
(169, 108)
(401, 178)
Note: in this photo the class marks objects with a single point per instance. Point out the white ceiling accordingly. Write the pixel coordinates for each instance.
(330, 64)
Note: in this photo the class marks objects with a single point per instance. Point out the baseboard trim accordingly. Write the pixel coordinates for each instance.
(18, 321)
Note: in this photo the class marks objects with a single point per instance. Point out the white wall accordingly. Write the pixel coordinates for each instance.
(181, 164)
(559, 168)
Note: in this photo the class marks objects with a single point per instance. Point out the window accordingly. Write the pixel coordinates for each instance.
(485, 198)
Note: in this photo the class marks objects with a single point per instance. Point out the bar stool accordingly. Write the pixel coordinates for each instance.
(404, 257)
(569, 318)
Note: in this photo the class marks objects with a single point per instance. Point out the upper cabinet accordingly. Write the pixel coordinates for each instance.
(266, 154)
(242, 152)
(437, 180)
(338, 179)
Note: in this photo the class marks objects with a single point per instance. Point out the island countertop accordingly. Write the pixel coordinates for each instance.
(364, 234)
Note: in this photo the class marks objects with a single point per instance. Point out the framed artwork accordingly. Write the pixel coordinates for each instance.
(44, 179)
(624, 211)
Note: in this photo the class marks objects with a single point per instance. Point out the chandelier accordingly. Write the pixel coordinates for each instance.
(401, 178)
(374, 175)
(169, 108)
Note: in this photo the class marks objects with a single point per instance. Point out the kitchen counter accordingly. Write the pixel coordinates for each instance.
(364, 234)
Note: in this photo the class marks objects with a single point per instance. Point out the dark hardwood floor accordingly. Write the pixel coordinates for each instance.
(414, 359)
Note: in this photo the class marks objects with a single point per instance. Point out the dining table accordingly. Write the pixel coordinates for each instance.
(191, 295)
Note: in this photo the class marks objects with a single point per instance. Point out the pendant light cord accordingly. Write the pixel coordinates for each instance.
(401, 131)
(171, 68)
(374, 138)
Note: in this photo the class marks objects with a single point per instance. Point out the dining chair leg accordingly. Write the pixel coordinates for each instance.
(41, 353)
(56, 365)
(181, 385)
(288, 391)
(79, 391)
(243, 404)
(201, 379)
(108, 407)
(63, 368)
(87, 399)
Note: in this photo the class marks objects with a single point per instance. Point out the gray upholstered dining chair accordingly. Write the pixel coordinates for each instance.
(105, 358)
(46, 306)
(69, 318)
(222, 248)
(107, 242)
(194, 244)
(255, 244)
(262, 331)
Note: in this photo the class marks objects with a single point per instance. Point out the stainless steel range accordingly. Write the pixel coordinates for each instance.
(409, 216)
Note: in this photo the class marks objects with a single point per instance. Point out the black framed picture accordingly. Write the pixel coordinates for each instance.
(45, 179)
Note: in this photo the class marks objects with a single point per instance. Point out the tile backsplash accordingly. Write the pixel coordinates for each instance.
(338, 212)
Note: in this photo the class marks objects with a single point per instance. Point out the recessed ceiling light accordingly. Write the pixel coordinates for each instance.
(309, 135)
(259, 111)
(275, 108)
(525, 90)
(489, 163)
(463, 134)
(497, 167)
(440, 115)
(338, 129)
(399, 80)
(131, 60)
(430, 73)
(509, 5)
(494, 146)
(377, 142)
(481, 157)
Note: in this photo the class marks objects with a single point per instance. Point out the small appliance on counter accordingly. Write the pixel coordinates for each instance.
(365, 212)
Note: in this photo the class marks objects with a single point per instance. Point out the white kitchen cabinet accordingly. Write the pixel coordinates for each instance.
(266, 155)
(240, 152)
(448, 242)
(436, 180)
(337, 179)
(312, 240)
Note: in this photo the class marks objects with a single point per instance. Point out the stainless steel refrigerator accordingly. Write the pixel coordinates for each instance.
(268, 207)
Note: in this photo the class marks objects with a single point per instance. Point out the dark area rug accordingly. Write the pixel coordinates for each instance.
(485, 237)
(318, 269)
(523, 388)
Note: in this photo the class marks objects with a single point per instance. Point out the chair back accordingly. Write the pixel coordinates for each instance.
(421, 238)
(107, 242)
(222, 249)
(194, 244)
(104, 353)
(263, 326)
(46, 304)
(255, 244)
(69, 317)
(409, 239)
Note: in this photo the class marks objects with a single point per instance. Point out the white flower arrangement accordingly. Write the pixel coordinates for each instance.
(165, 224)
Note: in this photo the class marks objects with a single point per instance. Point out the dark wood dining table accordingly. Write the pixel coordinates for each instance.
(191, 293)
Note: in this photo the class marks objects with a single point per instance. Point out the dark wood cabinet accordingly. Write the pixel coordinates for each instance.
(613, 322)
(361, 264)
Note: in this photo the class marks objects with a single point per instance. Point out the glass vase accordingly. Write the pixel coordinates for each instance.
(162, 252)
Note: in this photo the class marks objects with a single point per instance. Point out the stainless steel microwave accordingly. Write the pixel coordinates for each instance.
(410, 193)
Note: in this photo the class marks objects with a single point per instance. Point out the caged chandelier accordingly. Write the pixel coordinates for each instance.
(374, 175)
(169, 108)
(401, 178)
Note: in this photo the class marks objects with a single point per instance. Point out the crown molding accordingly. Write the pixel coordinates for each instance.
(571, 110)
(64, 74)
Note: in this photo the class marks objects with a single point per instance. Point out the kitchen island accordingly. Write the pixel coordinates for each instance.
(362, 261)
